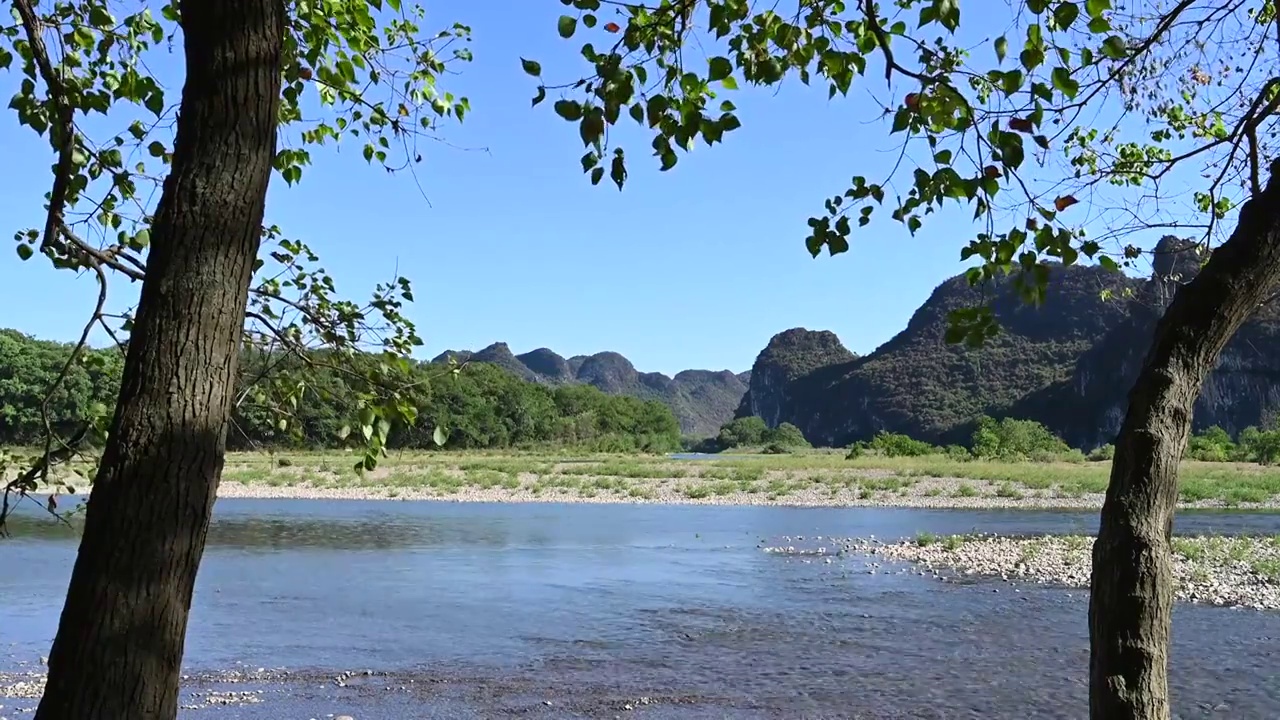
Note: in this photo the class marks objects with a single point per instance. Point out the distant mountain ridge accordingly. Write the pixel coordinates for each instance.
(702, 400)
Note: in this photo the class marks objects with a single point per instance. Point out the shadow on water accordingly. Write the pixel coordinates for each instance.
(474, 610)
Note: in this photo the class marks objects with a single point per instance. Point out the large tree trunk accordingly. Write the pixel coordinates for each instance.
(1131, 598)
(120, 640)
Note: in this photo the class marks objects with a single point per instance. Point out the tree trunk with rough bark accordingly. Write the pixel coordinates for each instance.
(1131, 597)
(119, 646)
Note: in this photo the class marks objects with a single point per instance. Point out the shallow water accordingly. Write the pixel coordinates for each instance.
(485, 610)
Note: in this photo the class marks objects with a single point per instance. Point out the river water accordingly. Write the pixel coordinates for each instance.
(455, 610)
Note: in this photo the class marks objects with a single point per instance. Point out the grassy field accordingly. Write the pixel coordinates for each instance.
(810, 478)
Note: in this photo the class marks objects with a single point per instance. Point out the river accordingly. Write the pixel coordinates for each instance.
(458, 610)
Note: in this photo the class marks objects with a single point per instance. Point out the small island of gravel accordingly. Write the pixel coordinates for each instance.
(1227, 571)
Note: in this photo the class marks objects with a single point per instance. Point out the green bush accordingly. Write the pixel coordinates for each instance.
(786, 435)
(899, 445)
(1011, 439)
(1212, 445)
(1106, 453)
(1260, 446)
(742, 432)
(958, 452)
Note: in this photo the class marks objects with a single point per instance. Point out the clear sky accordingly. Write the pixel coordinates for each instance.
(695, 268)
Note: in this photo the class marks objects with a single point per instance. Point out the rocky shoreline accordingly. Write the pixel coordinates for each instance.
(1225, 571)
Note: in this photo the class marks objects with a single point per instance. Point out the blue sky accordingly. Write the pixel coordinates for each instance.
(695, 268)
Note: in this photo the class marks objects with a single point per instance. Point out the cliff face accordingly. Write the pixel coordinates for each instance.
(1088, 407)
(918, 384)
(702, 400)
(791, 354)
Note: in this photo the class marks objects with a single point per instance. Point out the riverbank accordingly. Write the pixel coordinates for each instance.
(813, 478)
(1226, 571)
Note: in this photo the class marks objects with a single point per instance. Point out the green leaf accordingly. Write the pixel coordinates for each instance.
(1002, 47)
(618, 170)
(531, 67)
(570, 110)
(1099, 25)
(729, 83)
(1065, 14)
(1031, 58)
(540, 96)
(720, 68)
(901, 120)
(1115, 48)
(948, 12)
(24, 251)
(566, 26)
(438, 436)
(1064, 83)
(156, 149)
(1095, 8)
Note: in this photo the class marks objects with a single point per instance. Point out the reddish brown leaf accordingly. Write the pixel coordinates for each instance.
(1065, 202)
(611, 27)
(991, 171)
(304, 73)
(912, 101)
(1021, 125)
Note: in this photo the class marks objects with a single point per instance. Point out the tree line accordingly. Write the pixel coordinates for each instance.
(480, 406)
(1007, 439)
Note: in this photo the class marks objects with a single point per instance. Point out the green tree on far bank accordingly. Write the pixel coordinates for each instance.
(482, 407)
(751, 432)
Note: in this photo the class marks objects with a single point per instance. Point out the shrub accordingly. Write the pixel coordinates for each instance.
(742, 432)
(1106, 453)
(1212, 445)
(1011, 439)
(1260, 446)
(786, 435)
(958, 452)
(899, 445)
(774, 448)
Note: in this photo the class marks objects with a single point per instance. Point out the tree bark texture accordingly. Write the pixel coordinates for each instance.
(1131, 597)
(119, 645)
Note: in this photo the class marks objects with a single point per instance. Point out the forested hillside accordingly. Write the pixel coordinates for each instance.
(702, 400)
(482, 406)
